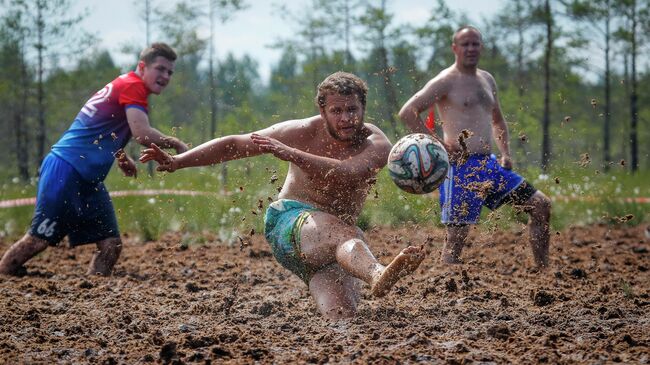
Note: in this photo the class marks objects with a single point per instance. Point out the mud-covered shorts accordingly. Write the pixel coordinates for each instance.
(282, 224)
(479, 182)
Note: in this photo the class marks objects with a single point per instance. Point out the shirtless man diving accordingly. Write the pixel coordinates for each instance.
(333, 158)
(470, 114)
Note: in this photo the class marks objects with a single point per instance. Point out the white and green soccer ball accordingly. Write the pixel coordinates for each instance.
(418, 164)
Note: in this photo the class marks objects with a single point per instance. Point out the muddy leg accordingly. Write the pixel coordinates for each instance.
(454, 243)
(335, 292)
(20, 252)
(325, 240)
(538, 225)
(108, 251)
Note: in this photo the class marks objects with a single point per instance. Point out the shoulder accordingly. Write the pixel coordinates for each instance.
(443, 80)
(299, 124)
(129, 78)
(130, 81)
(377, 137)
(131, 89)
(291, 130)
(487, 77)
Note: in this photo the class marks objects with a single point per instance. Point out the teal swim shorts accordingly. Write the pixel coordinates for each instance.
(282, 224)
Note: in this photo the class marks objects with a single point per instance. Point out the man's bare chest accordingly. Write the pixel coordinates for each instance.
(470, 96)
(329, 149)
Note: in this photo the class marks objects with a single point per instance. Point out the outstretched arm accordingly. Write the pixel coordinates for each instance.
(209, 153)
(358, 167)
(274, 140)
(146, 135)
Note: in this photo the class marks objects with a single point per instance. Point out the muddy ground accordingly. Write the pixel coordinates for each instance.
(213, 303)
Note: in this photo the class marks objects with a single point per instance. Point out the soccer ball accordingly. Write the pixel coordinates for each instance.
(418, 163)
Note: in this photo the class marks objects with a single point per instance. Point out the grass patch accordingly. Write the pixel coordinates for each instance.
(236, 207)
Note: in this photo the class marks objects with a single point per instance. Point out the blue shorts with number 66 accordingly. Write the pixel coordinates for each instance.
(66, 204)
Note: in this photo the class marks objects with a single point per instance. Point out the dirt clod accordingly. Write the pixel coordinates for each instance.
(543, 298)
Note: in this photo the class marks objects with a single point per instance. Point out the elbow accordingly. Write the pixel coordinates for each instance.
(409, 115)
(405, 112)
(142, 137)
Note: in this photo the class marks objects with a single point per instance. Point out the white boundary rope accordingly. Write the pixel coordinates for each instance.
(12, 203)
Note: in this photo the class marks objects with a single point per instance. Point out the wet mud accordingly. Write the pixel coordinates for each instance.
(174, 303)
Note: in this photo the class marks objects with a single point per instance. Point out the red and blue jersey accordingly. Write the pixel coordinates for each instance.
(101, 127)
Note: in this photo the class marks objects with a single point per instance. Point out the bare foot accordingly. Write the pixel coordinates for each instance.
(403, 264)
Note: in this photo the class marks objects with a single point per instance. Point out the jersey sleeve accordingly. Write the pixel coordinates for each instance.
(134, 95)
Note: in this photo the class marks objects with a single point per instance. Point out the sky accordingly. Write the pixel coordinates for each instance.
(117, 23)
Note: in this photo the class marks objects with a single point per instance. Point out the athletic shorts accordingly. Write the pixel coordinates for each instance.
(66, 204)
(479, 182)
(282, 224)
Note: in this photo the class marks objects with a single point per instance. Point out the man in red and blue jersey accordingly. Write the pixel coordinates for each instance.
(72, 199)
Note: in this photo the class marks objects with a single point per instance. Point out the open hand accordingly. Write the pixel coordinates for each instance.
(126, 163)
(272, 145)
(165, 161)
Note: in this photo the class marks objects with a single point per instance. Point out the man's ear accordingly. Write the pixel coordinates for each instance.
(140, 67)
(321, 109)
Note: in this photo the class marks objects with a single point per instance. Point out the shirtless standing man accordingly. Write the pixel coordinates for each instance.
(466, 98)
(334, 159)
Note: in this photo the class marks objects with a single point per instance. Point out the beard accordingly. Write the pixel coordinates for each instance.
(334, 133)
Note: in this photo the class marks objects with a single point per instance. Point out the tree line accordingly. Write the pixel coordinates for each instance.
(571, 74)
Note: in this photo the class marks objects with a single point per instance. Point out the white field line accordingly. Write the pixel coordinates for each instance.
(12, 203)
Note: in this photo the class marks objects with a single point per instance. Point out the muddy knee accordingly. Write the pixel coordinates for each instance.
(335, 292)
(33, 244)
(351, 250)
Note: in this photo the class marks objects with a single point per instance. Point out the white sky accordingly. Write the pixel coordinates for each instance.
(117, 22)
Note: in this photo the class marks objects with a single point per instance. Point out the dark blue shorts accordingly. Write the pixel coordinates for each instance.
(68, 205)
(479, 182)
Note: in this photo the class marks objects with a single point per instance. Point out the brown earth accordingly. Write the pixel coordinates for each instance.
(213, 303)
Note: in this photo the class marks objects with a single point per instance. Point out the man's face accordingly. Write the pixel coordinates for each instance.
(343, 115)
(157, 74)
(467, 47)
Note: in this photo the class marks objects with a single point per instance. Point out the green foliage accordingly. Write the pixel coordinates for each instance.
(580, 196)
(379, 50)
